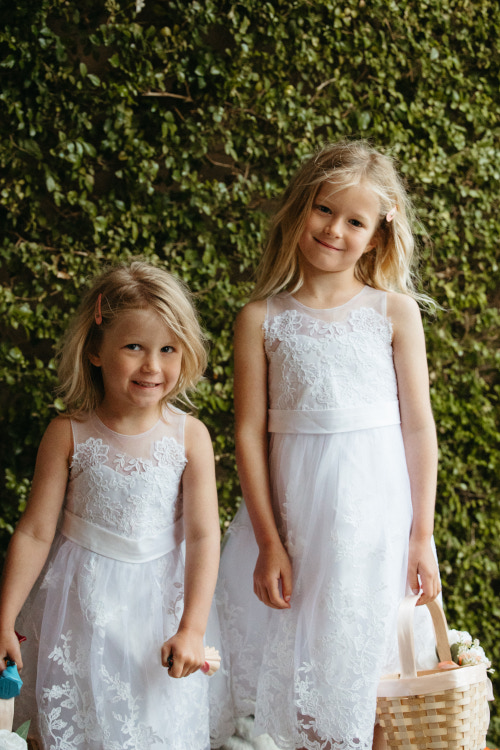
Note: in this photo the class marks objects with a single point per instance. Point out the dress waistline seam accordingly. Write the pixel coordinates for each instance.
(331, 421)
(109, 544)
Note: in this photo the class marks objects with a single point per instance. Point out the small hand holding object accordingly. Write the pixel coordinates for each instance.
(423, 572)
(10, 682)
(10, 641)
(212, 661)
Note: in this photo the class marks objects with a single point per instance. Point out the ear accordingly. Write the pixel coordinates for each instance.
(95, 360)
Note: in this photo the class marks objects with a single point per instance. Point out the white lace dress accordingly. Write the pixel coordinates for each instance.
(111, 594)
(341, 495)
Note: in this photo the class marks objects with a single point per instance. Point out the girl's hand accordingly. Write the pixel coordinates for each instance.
(9, 649)
(273, 566)
(183, 654)
(423, 573)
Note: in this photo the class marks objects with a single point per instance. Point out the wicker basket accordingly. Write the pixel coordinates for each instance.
(433, 709)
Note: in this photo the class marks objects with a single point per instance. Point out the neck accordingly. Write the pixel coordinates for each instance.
(131, 423)
(324, 291)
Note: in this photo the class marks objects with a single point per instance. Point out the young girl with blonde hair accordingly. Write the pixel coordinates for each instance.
(123, 602)
(336, 451)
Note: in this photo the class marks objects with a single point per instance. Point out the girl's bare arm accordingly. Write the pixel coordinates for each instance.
(419, 435)
(251, 404)
(202, 532)
(30, 544)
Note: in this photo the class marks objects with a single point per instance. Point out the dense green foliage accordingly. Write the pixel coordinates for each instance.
(171, 132)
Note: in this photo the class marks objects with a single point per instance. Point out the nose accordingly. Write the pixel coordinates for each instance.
(151, 362)
(333, 226)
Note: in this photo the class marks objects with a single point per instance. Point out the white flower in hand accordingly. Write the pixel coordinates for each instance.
(11, 741)
(212, 661)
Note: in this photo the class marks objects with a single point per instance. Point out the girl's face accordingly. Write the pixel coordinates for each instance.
(140, 360)
(339, 229)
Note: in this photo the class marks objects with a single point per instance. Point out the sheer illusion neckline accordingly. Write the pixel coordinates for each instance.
(121, 435)
(326, 309)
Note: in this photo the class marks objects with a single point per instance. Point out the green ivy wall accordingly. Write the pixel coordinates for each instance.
(170, 132)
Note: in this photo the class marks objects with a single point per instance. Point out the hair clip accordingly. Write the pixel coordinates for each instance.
(392, 213)
(98, 311)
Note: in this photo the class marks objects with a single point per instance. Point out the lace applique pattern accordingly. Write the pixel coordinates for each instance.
(89, 454)
(133, 496)
(320, 365)
(69, 707)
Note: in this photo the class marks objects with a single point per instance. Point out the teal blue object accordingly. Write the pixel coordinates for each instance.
(10, 682)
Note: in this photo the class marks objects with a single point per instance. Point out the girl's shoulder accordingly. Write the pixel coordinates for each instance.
(59, 428)
(399, 303)
(403, 312)
(194, 426)
(253, 312)
(249, 322)
(58, 438)
(196, 436)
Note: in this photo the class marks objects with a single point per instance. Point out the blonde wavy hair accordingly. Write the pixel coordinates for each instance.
(390, 265)
(134, 286)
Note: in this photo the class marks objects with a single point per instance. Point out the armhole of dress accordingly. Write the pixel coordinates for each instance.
(176, 418)
(386, 317)
(266, 320)
(181, 432)
(268, 309)
(265, 323)
(384, 307)
(274, 307)
(73, 424)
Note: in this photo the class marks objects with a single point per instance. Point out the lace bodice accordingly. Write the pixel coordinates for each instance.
(329, 359)
(127, 484)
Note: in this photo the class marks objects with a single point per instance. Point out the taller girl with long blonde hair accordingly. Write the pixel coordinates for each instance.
(336, 450)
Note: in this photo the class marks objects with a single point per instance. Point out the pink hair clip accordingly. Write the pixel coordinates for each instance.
(392, 213)
(98, 311)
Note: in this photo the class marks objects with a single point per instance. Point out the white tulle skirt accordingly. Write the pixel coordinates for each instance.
(93, 677)
(309, 674)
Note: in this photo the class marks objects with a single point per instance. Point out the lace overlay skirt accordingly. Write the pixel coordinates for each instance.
(310, 674)
(93, 676)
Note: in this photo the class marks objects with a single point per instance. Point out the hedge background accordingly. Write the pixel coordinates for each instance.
(171, 130)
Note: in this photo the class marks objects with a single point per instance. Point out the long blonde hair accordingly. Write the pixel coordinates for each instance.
(134, 286)
(389, 266)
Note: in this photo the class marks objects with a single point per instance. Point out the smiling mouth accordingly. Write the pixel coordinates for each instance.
(143, 384)
(326, 244)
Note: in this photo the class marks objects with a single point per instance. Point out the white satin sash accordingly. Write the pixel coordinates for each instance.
(328, 421)
(107, 543)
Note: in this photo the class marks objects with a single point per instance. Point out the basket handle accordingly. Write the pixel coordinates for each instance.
(406, 639)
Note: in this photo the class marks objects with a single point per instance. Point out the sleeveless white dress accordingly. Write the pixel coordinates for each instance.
(111, 594)
(341, 497)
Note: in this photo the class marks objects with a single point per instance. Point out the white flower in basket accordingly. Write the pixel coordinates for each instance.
(465, 651)
(445, 708)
